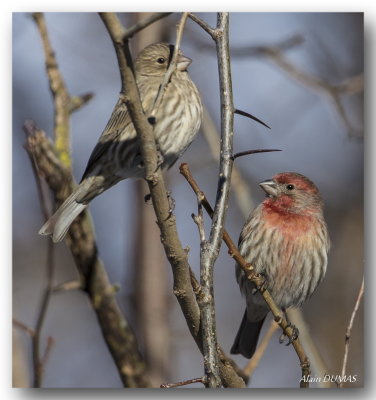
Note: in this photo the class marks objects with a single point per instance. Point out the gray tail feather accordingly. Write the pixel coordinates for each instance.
(59, 223)
(246, 340)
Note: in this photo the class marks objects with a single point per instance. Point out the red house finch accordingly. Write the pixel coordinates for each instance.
(285, 238)
(117, 153)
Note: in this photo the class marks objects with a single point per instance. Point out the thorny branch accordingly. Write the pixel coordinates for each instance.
(348, 331)
(239, 185)
(256, 279)
(175, 253)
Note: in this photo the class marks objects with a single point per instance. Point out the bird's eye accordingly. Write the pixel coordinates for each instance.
(290, 187)
(160, 60)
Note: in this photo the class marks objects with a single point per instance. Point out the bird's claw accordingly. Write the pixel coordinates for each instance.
(282, 338)
(264, 285)
(295, 332)
(294, 336)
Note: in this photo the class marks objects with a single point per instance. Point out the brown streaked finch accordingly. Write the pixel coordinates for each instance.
(117, 153)
(286, 240)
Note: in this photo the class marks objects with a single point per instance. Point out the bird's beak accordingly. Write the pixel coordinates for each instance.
(269, 187)
(182, 63)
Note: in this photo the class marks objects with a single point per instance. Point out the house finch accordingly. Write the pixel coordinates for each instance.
(286, 240)
(117, 153)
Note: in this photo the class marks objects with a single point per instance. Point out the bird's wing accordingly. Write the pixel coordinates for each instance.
(118, 121)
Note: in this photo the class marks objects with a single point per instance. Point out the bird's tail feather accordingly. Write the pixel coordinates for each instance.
(59, 223)
(246, 340)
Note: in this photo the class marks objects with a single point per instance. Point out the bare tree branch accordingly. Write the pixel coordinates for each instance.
(333, 92)
(175, 253)
(46, 207)
(130, 32)
(206, 27)
(53, 162)
(116, 331)
(68, 286)
(151, 299)
(210, 250)
(59, 93)
(20, 325)
(184, 383)
(348, 331)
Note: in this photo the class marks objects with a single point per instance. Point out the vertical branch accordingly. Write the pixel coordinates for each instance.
(152, 303)
(38, 364)
(211, 250)
(54, 164)
(59, 93)
(175, 253)
(348, 331)
(116, 331)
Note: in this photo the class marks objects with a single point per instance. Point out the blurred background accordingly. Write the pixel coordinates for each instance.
(301, 73)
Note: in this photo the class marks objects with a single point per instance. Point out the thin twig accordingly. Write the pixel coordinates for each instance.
(47, 351)
(76, 102)
(206, 27)
(184, 383)
(30, 331)
(171, 68)
(68, 286)
(348, 332)
(130, 32)
(257, 280)
(333, 92)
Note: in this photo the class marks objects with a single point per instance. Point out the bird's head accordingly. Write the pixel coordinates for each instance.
(290, 192)
(155, 59)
